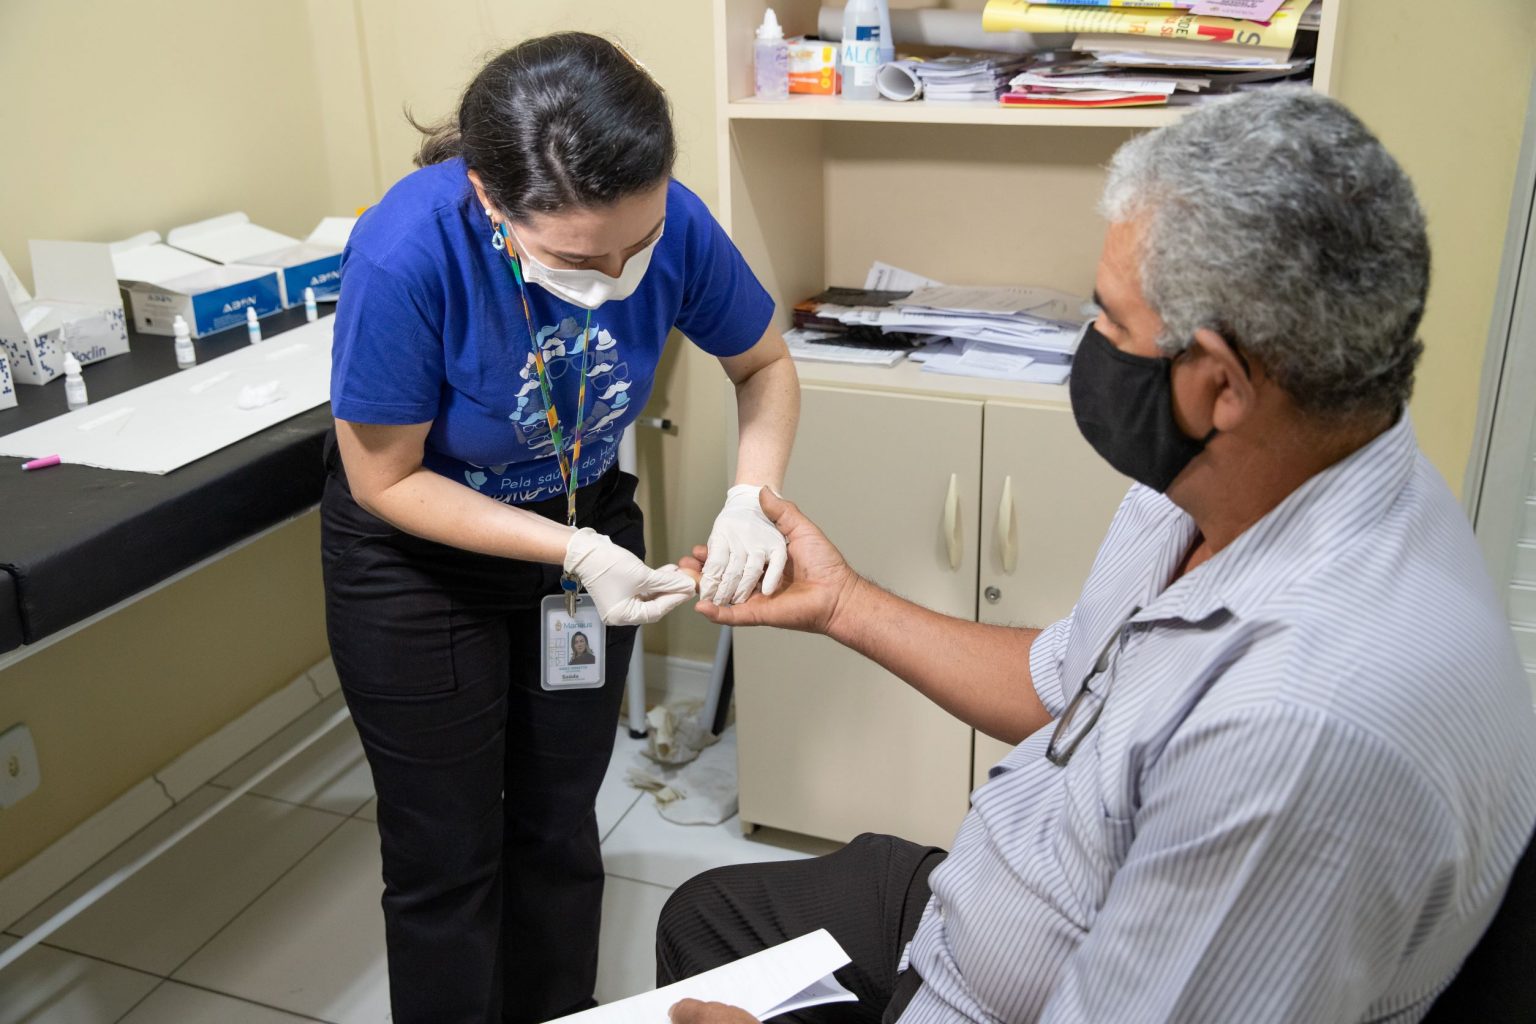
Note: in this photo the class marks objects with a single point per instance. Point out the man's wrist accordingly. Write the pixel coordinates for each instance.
(847, 613)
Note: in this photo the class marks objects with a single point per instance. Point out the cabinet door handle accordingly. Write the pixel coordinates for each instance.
(1007, 529)
(952, 521)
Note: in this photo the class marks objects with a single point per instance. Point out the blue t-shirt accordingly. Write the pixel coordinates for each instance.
(430, 327)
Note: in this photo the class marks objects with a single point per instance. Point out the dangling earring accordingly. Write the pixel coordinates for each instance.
(497, 242)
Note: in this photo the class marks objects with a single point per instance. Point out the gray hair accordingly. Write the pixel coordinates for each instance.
(1279, 221)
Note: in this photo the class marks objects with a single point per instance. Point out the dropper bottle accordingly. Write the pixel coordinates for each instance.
(186, 355)
(74, 384)
(252, 325)
(770, 60)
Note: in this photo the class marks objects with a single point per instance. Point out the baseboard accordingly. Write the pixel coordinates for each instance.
(669, 679)
(63, 862)
(101, 833)
(185, 775)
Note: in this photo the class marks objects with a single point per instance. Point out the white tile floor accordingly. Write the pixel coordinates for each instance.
(270, 912)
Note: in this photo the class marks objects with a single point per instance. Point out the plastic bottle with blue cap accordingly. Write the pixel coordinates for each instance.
(861, 49)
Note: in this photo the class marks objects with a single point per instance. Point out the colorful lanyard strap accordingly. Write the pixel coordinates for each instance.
(569, 465)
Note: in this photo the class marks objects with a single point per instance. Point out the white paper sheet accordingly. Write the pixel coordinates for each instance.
(1008, 299)
(163, 425)
(790, 976)
(884, 277)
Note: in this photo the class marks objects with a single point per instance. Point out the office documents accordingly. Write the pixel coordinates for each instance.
(1007, 332)
(1159, 54)
(791, 976)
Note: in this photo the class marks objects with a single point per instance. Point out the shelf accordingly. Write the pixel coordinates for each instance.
(908, 378)
(832, 108)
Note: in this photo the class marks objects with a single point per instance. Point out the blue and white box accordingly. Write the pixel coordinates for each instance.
(163, 283)
(312, 263)
(77, 310)
(7, 384)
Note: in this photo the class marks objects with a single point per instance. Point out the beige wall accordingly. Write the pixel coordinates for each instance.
(120, 118)
(1451, 105)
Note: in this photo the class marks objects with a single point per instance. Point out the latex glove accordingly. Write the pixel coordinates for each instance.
(744, 547)
(627, 592)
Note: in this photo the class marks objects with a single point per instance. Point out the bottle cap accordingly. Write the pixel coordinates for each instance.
(179, 327)
(309, 295)
(250, 314)
(71, 364)
(770, 29)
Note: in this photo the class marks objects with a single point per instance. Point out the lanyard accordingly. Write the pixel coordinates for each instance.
(569, 465)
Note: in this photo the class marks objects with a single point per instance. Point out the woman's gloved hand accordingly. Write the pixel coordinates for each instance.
(627, 592)
(744, 547)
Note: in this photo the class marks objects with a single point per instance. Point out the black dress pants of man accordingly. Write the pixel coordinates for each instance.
(493, 879)
(869, 895)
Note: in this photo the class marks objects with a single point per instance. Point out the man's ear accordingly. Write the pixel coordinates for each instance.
(1229, 377)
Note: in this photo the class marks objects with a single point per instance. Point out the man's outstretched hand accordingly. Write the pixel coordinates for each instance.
(817, 582)
(691, 1011)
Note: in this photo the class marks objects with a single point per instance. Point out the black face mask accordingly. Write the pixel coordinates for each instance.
(1123, 404)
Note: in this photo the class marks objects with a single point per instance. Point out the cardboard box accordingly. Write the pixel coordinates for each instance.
(163, 283)
(77, 310)
(813, 67)
(232, 238)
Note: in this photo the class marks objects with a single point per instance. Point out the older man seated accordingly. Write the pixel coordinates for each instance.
(1280, 759)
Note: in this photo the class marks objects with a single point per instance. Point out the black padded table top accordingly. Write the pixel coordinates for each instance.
(75, 540)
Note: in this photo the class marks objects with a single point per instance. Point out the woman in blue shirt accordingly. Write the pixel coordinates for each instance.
(540, 257)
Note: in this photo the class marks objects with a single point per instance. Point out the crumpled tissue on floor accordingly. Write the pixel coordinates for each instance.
(691, 771)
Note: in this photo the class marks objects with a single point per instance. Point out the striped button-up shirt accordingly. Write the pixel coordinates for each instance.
(1314, 771)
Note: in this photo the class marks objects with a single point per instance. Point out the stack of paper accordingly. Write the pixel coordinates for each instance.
(827, 347)
(1036, 322)
(1092, 82)
(999, 333)
(1133, 42)
(1010, 333)
(962, 78)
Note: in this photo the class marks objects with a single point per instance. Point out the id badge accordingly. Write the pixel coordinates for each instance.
(574, 648)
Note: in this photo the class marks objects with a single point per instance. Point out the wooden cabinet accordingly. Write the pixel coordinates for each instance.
(831, 744)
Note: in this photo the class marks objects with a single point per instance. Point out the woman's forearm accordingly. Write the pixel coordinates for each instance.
(768, 410)
(431, 506)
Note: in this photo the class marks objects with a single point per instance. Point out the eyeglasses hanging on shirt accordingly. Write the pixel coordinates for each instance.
(1083, 711)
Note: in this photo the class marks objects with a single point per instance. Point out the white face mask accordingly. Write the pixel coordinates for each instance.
(587, 288)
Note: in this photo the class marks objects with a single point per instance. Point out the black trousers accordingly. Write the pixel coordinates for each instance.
(869, 895)
(493, 879)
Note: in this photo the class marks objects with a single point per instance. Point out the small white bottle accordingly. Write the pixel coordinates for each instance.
(186, 355)
(311, 309)
(861, 49)
(252, 325)
(770, 59)
(74, 384)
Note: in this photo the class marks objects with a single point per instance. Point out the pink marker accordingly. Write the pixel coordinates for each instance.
(42, 463)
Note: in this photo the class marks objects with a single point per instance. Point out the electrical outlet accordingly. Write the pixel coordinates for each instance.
(19, 774)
